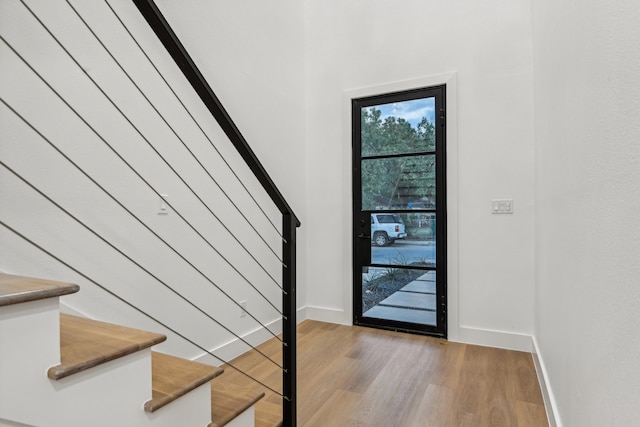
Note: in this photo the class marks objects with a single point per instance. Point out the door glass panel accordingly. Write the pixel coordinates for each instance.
(403, 239)
(399, 294)
(398, 164)
(398, 127)
(398, 183)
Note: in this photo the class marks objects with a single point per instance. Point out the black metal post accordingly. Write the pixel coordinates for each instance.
(289, 306)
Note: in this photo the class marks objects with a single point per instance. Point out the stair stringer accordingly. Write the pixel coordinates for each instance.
(29, 345)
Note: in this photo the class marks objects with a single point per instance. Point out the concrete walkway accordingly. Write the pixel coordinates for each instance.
(415, 302)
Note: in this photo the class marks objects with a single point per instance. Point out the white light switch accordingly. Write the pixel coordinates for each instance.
(502, 206)
(163, 209)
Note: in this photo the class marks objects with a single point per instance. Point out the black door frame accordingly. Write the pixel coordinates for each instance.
(361, 232)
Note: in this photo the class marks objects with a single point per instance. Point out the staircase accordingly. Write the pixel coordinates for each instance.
(59, 370)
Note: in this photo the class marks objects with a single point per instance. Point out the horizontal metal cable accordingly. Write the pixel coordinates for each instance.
(121, 299)
(128, 120)
(90, 178)
(133, 170)
(178, 294)
(186, 148)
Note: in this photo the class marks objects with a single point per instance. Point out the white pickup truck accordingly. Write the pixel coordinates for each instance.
(386, 228)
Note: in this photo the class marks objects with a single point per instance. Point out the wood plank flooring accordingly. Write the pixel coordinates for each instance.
(354, 376)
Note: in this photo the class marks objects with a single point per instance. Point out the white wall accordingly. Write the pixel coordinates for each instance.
(587, 92)
(358, 44)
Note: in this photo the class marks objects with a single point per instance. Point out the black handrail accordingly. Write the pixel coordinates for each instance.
(290, 222)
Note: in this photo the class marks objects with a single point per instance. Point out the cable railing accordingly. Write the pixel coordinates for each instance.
(142, 135)
(136, 307)
(262, 272)
(157, 193)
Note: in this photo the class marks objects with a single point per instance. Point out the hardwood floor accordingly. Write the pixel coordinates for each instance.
(354, 376)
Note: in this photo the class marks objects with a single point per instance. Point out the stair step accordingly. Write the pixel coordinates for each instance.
(85, 343)
(229, 401)
(19, 289)
(268, 414)
(174, 377)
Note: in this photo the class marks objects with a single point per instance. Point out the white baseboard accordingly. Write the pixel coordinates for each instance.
(484, 337)
(235, 347)
(547, 393)
(329, 315)
(489, 338)
(301, 314)
(67, 309)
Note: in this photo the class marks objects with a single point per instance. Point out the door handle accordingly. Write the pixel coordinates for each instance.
(363, 236)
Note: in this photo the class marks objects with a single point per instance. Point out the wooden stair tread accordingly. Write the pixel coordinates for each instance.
(268, 414)
(19, 289)
(174, 377)
(229, 401)
(85, 343)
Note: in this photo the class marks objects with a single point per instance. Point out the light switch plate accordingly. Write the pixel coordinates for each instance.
(162, 208)
(502, 206)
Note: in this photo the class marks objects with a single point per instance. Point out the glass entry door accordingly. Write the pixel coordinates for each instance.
(399, 232)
